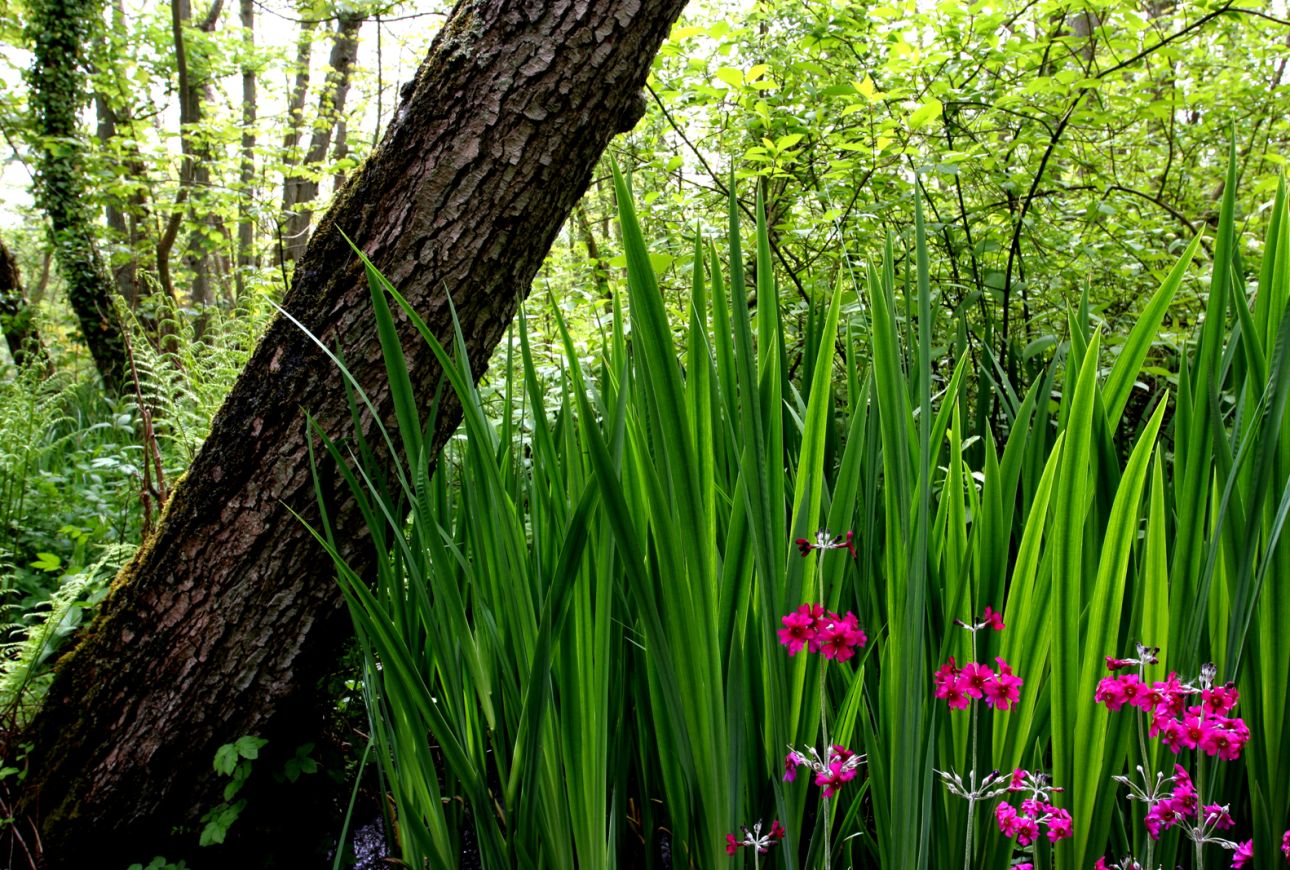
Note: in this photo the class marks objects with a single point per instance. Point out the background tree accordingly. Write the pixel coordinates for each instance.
(16, 315)
(57, 32)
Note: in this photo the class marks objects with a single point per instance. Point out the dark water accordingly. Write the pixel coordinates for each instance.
(368, 844)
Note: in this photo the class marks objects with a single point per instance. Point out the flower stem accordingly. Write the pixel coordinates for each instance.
(824, 719)
(1200, 808)
(1147, 772)
(967, 848)
(824, 730)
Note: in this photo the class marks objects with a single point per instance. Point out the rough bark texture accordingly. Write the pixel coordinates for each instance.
(229, 614)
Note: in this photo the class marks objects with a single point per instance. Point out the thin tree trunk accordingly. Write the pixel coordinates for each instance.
(196, 152)
(57, 31)
(246, 259)
(339, 153)
(300, 189)
(295, 124)
(224, 620)
(125, 217)
(17, 318)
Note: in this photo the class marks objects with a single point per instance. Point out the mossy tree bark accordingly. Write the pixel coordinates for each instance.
(17, 320)
(57, 30)
(224, 620)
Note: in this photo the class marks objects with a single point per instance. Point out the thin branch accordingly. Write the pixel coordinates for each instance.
(1014, 246)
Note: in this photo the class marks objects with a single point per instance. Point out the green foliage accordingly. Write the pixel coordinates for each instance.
(1058, 149)
(300, 763)
(234, 761)
(159, 863)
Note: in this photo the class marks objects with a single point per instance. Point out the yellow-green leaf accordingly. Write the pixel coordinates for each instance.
(731, 76)
(868, 90)
(925, 114)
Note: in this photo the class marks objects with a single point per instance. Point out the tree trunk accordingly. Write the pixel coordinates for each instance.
(295, 123)
(57, 31)
(246, 259)
(223, 621)
(125, 216)
(193, 92)
(16, 318)
(300, 189)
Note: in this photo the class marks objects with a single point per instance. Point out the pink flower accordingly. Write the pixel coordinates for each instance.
(838, 752)
(1027, 830)
(1170, 696)
(1003, 690)
(1285, 845)
(972, 679)
(1218, 816)
(1114, 664)
(946, 675)
(1018, 777)
(1100, 864)
(1109, 693)
(1060, 825)
(731, 844)
(801, 628)
(949, 685)
(777, 830)
(834, 778)
(839, 636)
(1006, 815)
(1244, 853)
(791, 762)
(1220, 700)
(839, 772)
(993, 618)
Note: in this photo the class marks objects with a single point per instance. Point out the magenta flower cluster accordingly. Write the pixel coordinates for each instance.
(960, 686)
(1025, 822)
(755, 839)
(1205, 726)
(836, 637)
(831, 776)
(1181, 805)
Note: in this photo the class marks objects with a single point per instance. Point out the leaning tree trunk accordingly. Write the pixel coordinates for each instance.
(229, 613)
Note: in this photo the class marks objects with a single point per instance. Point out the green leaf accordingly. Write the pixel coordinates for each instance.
(731, 76)
(868, 90)
(925, 114)
(50, 563)
(226, 758)
(249, 747)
